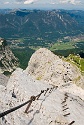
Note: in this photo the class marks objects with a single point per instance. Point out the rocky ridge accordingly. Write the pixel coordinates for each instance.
(8, 62)
(46, 66)
(64, 105)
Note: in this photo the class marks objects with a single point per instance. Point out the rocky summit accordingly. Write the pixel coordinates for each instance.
(61, 102)
(46, 66)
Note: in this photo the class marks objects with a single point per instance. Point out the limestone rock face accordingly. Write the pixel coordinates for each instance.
(62, 105)
(56, 107)
(8, 62)
(3, 79)
(46, 66)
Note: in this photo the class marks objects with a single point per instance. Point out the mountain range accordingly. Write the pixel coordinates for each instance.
(49, 24)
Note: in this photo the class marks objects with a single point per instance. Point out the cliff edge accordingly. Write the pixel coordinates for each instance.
(8, 62)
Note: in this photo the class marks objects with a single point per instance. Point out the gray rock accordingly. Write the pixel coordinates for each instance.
(46, 66)
(3, 79)
(8, 62)
(61, 105)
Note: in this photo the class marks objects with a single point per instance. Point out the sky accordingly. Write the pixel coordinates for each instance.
(42, 4)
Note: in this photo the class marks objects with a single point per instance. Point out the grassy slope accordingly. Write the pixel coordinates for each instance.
(62, 46)
(67, 45)
(77, 60)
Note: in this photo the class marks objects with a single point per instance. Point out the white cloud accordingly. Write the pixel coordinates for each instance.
(63, 1)
(6, 2)
(29, 1)
(74, 2)
(42, 2)
(17, 2)
(52, 2)
(24, 1)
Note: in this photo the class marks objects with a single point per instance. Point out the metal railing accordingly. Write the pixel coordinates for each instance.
(29, 102)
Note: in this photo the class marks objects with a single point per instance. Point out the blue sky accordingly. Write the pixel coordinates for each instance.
(43, 4)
